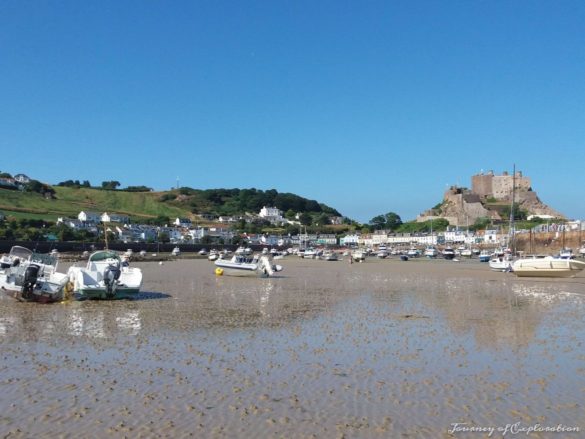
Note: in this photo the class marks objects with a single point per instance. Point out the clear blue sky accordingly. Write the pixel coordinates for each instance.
(368, 106)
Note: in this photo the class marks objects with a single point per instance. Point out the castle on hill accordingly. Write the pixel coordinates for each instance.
(488, 196)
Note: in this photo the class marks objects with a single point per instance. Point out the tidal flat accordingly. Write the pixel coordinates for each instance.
(380, 349)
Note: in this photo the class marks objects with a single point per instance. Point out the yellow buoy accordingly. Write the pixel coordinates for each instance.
(218, 271)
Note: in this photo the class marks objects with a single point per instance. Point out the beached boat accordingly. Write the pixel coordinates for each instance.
(431, 252)
(501, 260)
(330, 256)
(484, 256)
(244, 265)
(310, 253)
(382, 253)
(566, 253)
(448, 253)
(358, 255)
(176, 251)
(213, 255)
(105, 277)
(32, 277)
(547, 267)
(413, 252)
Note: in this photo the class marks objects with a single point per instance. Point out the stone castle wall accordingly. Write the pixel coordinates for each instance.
(498, 186)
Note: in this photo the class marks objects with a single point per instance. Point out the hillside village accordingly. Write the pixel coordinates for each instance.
(488, 197)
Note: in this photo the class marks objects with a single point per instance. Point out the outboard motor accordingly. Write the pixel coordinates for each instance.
(31, 274)
(111, 276)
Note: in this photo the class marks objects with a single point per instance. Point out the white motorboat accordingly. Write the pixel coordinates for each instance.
(32, 277)
(105, 277)
(310, 253)
(566, 253)
(213, 255)
(501, 260)
(330, 256)
(382, 253)
(413, 252)
(448, 253)
(243, 265)
(466, 252)
(176, 251)
(431, 252)
(358, 255)
(547, 267)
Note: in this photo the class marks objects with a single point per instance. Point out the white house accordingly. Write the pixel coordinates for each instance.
(490, 237)
(271, 214)
(183, 222)
(350, 240)
(114, 218)
(89, 217)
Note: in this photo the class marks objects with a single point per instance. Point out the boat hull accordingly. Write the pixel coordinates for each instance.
(100, 293)
(547, 267)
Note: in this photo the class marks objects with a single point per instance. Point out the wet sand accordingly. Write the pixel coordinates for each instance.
(377, 349)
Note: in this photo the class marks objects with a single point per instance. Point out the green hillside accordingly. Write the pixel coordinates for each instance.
(68, 202)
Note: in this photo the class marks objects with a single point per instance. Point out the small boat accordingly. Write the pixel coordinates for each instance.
(484, 256)
(244, 265)
(547, 267)
(32, 277)
(310, 253)
(382, 253)
(213, 255)
(105, 277)
(448, 253)
(358, 255)
(413, 252)
(501, 260)
(431, 252)
(202, 252)
(582, 250)
(466, 252)
(176, 251)
(566, 253)
(404, 257)
(330, 256)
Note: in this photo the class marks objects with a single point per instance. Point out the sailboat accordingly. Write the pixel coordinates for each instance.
(503, 258)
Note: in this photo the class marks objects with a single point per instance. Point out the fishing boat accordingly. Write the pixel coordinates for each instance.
(245, 265)
(547, 267)
(32, 277)
(105, 277)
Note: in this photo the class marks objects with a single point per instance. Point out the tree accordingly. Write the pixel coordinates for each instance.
(378, 222)
(305, 219)
(110, 185)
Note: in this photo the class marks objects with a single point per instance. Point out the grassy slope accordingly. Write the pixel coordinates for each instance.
(69, 202)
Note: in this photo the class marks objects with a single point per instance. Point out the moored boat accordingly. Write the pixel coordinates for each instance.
(547, 267)
(32, 277)
(105, 277)
(245, 265)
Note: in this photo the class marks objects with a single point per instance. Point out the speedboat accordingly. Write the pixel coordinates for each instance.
(32, 277)
(382, 253)
(105, 277)
(547, 267)
(244, 265)
(213, 255)
(466, 252)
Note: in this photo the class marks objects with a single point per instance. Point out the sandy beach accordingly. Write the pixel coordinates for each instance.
(380, 349)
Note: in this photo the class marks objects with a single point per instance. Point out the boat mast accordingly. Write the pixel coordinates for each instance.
(512, 232)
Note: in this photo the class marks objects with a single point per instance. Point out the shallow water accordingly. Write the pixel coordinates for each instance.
(378, 349)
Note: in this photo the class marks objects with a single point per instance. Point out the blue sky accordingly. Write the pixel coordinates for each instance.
(368, 106)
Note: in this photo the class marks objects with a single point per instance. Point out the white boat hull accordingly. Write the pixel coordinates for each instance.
(547, 267)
